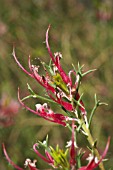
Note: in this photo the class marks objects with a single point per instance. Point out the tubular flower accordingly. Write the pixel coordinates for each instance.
(72, 149)
(57, 83)
(48, 157)
(45, 112)
(94, 163)
(56, 158)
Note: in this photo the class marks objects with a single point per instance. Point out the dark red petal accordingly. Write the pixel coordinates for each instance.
(68, 106)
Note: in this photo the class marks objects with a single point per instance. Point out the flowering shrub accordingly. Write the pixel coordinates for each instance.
(63, 91)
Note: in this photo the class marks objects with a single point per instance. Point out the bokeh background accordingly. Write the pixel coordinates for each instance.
(83, 31)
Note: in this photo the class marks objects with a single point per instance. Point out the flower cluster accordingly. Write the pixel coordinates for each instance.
(58, 84)
(58, 158)
(62, 90)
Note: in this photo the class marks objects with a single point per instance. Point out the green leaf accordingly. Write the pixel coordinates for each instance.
(30, 90)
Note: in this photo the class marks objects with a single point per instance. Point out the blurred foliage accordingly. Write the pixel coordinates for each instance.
(82, 31)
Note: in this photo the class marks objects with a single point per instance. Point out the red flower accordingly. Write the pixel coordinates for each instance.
(72, 149)
(45, 112)
(56, 61)
(57, 83)
(93, 164)
(48, 157)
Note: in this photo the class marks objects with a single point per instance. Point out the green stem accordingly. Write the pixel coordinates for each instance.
(91, 142)
(39, 97)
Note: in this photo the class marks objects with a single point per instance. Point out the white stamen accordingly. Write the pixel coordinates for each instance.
(58, 54)
(28, 162)
(38, 106)
(90, 157)
(69, 143)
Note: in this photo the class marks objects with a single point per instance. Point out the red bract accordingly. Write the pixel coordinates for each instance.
(93, 164)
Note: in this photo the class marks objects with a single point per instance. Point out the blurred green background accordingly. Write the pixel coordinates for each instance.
(83, 31)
